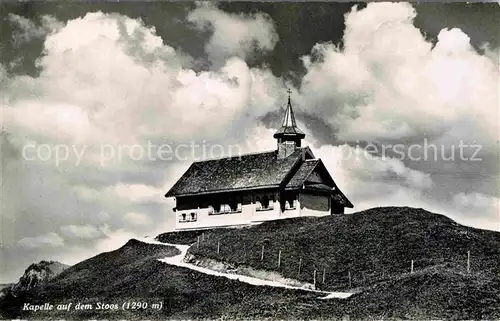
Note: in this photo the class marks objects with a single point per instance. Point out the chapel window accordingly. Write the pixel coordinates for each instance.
(265, 201)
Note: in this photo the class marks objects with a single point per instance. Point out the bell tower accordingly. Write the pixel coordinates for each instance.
(289, 136)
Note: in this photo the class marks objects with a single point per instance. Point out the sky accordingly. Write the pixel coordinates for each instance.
(105, 105)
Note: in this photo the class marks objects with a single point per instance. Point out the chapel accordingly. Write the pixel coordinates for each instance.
(252, 188)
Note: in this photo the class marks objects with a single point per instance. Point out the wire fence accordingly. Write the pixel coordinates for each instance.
(312, 270)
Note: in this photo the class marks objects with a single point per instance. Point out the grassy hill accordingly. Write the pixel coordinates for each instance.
(439, 292)
(375, 246)
(371, 245)
(132, 273)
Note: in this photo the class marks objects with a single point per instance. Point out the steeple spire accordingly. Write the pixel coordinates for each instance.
(289, 136)
(289, 119)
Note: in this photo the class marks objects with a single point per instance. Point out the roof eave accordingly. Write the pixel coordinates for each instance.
(223, 191)
(280, 134)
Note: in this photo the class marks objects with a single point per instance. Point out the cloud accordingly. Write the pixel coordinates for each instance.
(80, 231)
(389, 83)
(114, 85)
(46, 240)
(390, 87)
(369, 179)
(79, 94)
(128, 193)
(137, 219)
(139, 192)
(26, 30)
(478, 202)
(240, 35)
(475, 209)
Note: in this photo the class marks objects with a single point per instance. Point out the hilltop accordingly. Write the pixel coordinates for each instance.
(375, 246)
(36, 274)
(370, 245)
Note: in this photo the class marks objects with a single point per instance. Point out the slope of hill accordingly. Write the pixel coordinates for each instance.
(370, 245)
(373, 252)
(439, 292)
(133, 274)
(374, 246)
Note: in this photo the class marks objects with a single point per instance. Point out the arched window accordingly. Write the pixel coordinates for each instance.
(183, 216)
(193, 216)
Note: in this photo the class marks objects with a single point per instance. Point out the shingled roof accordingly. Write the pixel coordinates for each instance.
(249, 171)
(300, 177)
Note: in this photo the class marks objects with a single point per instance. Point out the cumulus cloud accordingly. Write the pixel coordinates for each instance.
(47, 240)
(389, 83)
(79, 95)
(238, 35)
(80, 231)
(436, 102)
(115, 87)
(26, 29)
(79, 98)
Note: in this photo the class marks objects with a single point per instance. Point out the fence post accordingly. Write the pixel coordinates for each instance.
(324, 272)
(198, 243)
(279, 259)
(349, 275)
(300, 266)
(262, 253)
(203, 236)
(218, 247)
(314, 278)
(468, 262)
(411, 269)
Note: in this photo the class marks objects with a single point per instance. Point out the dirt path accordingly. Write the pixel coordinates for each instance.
(178, 260)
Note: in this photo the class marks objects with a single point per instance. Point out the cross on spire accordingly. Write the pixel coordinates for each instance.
(289, 126)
